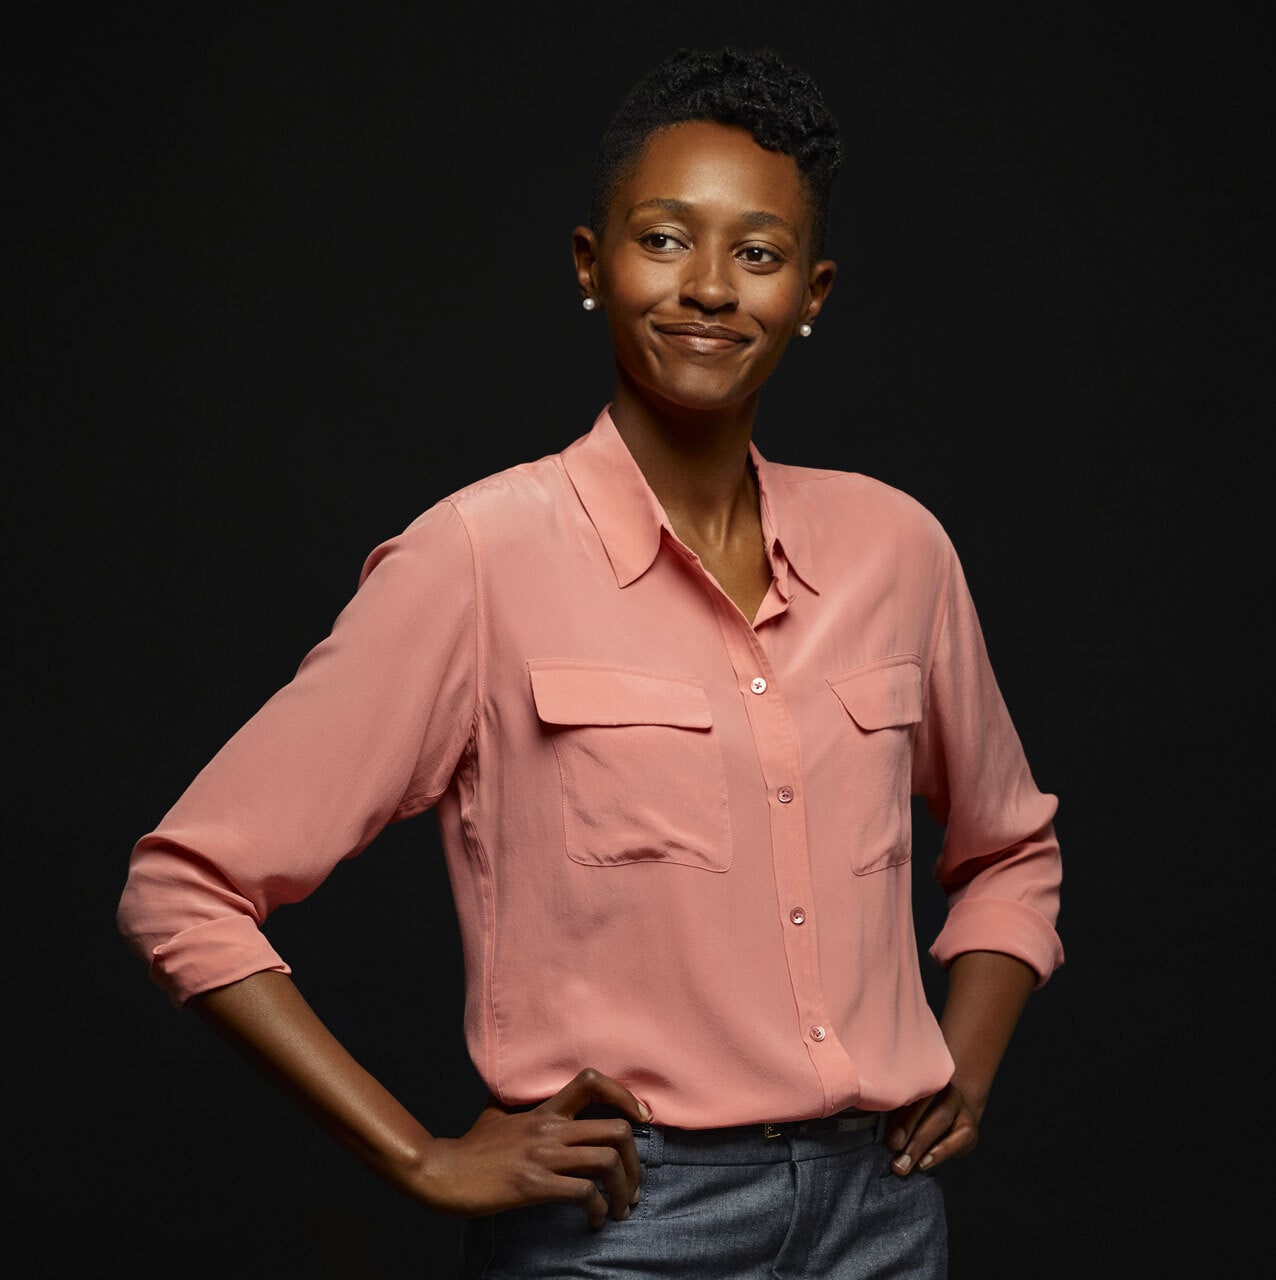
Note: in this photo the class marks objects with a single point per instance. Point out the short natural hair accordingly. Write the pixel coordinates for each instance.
(781, 106)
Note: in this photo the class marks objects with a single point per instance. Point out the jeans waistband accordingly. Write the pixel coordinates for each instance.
(761, 1143)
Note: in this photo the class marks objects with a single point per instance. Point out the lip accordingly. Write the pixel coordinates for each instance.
(704, 338)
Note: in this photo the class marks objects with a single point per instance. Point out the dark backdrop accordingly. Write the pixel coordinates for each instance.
(279, 277)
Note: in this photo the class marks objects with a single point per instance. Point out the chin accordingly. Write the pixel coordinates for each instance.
(701, 394)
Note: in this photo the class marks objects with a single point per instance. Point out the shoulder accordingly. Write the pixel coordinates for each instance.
(508, 498)
(505, 503)
(836, 504)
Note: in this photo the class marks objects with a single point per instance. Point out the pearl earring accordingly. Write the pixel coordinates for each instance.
(588, 303)
(804, 330)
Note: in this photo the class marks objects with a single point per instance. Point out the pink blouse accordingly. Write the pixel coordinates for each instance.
(678, 840)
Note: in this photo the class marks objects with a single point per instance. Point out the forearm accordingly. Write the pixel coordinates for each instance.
(987, 991)
(266, 1019)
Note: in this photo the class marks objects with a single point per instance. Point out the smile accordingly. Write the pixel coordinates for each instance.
(703, 338)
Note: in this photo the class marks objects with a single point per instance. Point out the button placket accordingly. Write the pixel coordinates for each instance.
(776, 742)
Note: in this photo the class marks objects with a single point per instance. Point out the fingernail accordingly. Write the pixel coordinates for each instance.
(644, 1110)
(637, 1195)
(897, 1138)
(902, 1162)
(624, 1215)
(925, 1162)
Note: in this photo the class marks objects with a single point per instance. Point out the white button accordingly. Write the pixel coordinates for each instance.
(784, 795)
(818, 1033)
(757, 684)
(797, 915)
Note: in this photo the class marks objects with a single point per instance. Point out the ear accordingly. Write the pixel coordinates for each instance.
(585, 255)
(818, 287)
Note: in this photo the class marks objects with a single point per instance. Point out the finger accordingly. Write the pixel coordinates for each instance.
(590, 1085)
(617, 1134)
(960, 1140)
(581, 1191)
(603, 1163)
(932, 1128)
(903, 1122)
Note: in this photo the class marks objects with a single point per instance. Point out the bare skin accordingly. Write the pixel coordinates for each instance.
(508, 1158)
(711, 231)
(986, 995)
(704, 273)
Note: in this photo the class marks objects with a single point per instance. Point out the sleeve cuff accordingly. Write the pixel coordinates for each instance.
(999, 924)
(211, 955)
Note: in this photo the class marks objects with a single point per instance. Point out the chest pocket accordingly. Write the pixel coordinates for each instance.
(883, 705)
(642, 771)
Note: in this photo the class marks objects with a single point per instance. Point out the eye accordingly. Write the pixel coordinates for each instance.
(759, 255)
(661, 241)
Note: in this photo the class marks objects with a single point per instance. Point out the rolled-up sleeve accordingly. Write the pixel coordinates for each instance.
(369, 731)
(1000, 862)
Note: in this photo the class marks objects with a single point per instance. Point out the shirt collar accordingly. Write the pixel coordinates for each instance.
(630, 521)
(783, 529)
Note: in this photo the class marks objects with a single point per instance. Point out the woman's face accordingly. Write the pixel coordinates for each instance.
(704, 268)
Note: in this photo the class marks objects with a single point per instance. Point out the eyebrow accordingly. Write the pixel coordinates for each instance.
(758, 218)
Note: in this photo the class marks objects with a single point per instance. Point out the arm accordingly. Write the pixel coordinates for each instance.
(987, 992)
(999, 868)
(506, 1159)
(369, 731)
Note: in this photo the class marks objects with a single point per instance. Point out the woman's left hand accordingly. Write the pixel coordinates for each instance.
(986, 994)
(931, 1130)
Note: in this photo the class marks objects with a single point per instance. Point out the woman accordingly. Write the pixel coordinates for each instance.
(670, 700)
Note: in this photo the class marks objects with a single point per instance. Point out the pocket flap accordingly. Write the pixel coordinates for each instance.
(879, 697)
(596, 693)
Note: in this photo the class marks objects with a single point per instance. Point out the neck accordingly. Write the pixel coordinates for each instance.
(696, 462)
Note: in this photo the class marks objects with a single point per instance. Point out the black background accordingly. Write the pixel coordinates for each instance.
(278, 277)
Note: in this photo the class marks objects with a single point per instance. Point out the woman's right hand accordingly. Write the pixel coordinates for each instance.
(514, 1158)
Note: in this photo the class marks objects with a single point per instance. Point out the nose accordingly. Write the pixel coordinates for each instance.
(707, 283)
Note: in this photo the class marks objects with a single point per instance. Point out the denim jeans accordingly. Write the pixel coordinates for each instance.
(734, 1205)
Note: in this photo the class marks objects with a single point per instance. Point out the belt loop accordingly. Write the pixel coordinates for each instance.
(879, 1129)
(655, 1145)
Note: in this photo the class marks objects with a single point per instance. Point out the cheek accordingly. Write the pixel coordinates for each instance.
(776, 303)
(638, 288)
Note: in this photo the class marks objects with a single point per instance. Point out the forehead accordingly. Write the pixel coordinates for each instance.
(716, 168)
